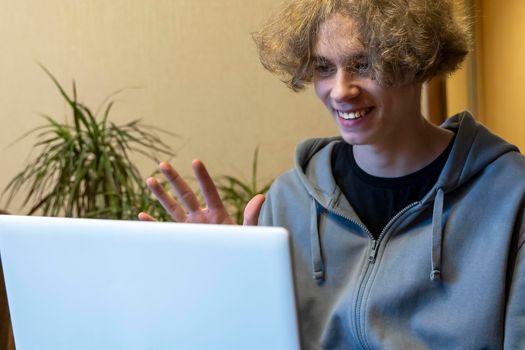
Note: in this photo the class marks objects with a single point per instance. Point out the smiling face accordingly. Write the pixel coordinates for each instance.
(365, 112)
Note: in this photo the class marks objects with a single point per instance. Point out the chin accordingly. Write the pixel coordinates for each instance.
(354, 140)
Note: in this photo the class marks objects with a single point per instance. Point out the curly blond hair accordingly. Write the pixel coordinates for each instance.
(405, 40)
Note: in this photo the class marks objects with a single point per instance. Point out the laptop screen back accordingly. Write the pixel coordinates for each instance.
(102, 284)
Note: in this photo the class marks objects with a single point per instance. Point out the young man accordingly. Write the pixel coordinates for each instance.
(405, 235)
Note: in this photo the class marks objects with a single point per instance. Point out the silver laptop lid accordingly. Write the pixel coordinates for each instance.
(102, 284)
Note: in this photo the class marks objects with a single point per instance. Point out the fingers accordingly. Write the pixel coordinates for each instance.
(173, 208)
(207, 186)
(185, 198)
(145, 217)
(183, 191)
(253, 209)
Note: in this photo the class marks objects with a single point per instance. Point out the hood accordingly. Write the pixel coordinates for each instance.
(474, 148)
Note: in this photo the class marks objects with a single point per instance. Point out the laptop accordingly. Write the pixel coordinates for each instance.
(106, 284)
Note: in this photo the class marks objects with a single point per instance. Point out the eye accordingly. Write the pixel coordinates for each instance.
(363, 66)
(323, 68)
(360, 66)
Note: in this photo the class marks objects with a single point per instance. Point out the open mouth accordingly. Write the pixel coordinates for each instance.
(355, 114)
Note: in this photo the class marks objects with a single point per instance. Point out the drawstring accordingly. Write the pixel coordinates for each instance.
(437, 240)
(315, 244)
(437, 235)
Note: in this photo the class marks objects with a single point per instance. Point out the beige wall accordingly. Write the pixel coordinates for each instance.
(502, 25)
(194, 60)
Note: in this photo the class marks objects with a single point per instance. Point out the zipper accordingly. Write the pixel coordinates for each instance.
(372, 256)
(373, 251)
(401, 212)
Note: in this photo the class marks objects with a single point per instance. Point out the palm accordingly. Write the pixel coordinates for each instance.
(207, 216)
(185, 207)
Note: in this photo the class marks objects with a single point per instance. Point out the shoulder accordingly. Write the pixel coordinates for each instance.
(287, 186)
(514, 159)
(286, 201)
(509, 166)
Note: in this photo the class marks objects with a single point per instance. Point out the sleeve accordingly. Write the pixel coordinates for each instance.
(515, 314)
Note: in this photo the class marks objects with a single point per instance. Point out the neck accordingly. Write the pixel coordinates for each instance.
(404, 154)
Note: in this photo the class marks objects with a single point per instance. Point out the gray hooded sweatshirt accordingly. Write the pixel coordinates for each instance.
(447, 272)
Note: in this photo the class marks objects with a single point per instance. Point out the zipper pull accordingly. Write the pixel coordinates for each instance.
(373, 252)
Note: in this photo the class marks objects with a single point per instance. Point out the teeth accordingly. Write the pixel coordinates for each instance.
(352, 115)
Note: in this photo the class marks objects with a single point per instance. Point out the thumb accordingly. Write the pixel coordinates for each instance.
(145, 217)
(253, 209)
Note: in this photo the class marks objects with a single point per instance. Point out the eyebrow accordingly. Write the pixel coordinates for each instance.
(319, 59)
(347, 60)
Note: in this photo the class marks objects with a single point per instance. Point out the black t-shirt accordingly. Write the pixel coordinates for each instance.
(376, 200)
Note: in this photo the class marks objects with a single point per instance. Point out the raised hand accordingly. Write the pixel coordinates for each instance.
(185, 207)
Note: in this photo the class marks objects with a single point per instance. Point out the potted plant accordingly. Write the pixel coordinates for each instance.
(83, 168)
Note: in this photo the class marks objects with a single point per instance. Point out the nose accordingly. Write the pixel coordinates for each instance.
(344, 87)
